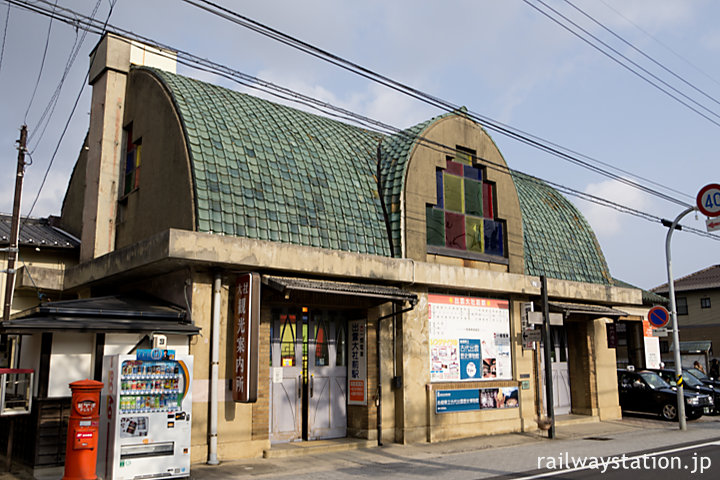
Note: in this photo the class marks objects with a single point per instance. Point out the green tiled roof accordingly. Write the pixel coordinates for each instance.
(270, 172)
(396, 150)
(559, 242)
(648, 298)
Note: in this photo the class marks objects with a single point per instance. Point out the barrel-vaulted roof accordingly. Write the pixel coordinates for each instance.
(559, 242)
(270, 172)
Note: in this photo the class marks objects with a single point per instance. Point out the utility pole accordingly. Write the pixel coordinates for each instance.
(548, 361)
(15, 225)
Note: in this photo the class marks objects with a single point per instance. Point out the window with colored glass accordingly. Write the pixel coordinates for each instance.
(464, 216)
(133, 154)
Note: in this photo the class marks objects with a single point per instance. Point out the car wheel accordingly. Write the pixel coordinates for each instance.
(669, 412)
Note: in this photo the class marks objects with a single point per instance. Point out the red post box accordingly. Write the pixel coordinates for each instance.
(82, 436)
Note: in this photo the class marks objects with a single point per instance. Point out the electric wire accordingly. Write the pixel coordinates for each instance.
(67, 123)
(645, 55)
(663, 44)
(489, 123)
(4, 36)
(287, 94)
(52, 103)
(42, 65)
(627, 67)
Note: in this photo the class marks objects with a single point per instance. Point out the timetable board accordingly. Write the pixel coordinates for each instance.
(469, 338)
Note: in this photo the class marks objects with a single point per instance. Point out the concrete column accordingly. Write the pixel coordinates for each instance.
(109, 67)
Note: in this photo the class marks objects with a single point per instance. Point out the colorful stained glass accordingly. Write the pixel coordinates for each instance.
(435, 226)
(454, 168)
(453, 193)
(474, 234)
(464, 157)
(472, 172)
(493, 234)
(439, 188)
(454, 230)
(473, 198)
(488, 201)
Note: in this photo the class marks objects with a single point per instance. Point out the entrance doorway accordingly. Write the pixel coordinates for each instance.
(560, 372)
(308, 368)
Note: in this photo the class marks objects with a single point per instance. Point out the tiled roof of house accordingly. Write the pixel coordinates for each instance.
(36, 232)
(271, 172)
(559, 243)
(702, 279)
(648, 298)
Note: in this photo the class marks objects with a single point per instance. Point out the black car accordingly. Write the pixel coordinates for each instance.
(645, 391)
(714, 382)
(692, 383)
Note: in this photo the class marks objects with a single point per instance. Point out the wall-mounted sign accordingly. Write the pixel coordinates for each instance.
(470, 399)
(469, 338)
(247, 324)
(357, 371)
(612, 337)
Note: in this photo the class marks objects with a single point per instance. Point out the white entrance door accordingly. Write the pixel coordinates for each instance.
(560, 373)
(327, 377)
(286, 383)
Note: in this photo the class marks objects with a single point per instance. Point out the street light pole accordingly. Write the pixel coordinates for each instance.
(673, 313)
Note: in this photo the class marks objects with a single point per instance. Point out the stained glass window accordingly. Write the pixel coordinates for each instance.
(133, 153)
(464, 216)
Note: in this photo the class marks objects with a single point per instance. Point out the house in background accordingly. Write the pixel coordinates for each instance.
(45, 251)
(697, 297)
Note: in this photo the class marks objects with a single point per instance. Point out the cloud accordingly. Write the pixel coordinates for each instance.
(606, 221)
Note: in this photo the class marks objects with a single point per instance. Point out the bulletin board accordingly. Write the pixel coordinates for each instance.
(469, 338)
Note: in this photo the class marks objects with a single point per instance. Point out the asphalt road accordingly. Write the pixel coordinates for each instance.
(694, 460)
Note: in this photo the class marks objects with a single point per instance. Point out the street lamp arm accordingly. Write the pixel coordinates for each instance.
(673, 313)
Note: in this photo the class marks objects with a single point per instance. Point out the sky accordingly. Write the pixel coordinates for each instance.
(502, 59)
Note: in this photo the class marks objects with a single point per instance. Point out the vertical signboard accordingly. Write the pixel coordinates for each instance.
(357, 374)
(652, 346)
(469, 338)
(247, 323)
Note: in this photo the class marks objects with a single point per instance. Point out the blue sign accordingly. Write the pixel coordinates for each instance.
(470, 366)
(463, 400)
(658, 317)
(155, 354)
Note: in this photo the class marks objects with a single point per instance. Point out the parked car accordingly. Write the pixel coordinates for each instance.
(645, 391)
(703, 377)
(692, 383)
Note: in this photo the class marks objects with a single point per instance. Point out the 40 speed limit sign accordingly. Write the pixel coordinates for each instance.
(708, 200)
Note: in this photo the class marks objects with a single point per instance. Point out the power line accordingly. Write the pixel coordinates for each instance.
(664, 45)
(624, 65)
(489, 123)
(50, 107)
(193, 61)
(2, 49)
(72, 112)
(42, 64)
(591, 18)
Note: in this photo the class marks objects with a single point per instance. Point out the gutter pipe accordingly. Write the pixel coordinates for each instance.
(214, 366)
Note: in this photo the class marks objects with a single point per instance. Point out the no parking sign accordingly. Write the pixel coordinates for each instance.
(658, 317)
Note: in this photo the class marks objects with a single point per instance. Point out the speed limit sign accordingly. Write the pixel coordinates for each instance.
(708, 200)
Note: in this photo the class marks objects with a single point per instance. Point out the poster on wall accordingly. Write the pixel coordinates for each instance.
(357, 373)
(470, 399)
(469, 338)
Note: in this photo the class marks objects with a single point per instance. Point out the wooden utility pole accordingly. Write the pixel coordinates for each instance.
(15, 225)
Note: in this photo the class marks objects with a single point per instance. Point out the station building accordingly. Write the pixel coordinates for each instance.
(393, 270)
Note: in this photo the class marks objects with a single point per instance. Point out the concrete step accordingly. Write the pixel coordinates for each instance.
(316, 447)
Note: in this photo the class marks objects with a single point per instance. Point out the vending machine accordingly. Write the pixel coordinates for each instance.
(145, 413)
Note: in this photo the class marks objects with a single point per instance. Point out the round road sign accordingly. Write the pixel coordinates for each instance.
(708, 200)
(658, 317)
